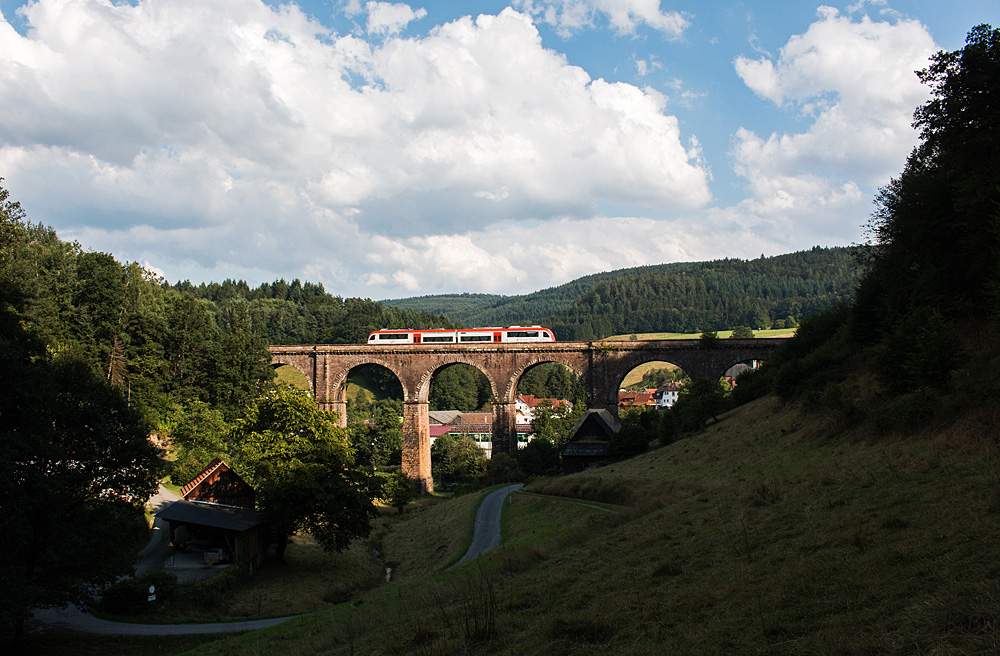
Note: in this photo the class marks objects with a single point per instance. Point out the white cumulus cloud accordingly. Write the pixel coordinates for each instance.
(852, 83)
(230, 138)
(390, 18)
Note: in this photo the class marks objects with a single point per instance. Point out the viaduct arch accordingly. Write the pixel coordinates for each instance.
(601, 365)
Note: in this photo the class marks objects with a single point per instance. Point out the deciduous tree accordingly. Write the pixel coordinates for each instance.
(302, 468)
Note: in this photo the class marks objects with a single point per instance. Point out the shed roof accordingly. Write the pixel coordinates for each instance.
(209, 469)
(602, 419)
(441, 416)
(216, 516)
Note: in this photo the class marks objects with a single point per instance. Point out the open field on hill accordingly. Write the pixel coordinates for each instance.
(770, 532)
(723, 334)
(634, 377)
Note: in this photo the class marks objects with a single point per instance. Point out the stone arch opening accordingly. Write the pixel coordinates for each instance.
(460, 398)
(375, 378)
(733, 373)
(653, 384)
(295, 372)
(373, 397)
(460, 386)
(549, 397)
(290, 374)
(369, 383)
(551, 380)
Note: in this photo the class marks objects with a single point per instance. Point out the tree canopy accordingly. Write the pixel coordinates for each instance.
(76, 466)
(302, 467)
(935, 234)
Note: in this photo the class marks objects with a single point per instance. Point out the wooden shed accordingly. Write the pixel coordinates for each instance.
(589, 446)
(240, 533)
(218, 483)
(216, 513)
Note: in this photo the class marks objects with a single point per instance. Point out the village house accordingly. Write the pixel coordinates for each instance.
(666, 395)
(525, 406)
(479, 425)
(636, 399)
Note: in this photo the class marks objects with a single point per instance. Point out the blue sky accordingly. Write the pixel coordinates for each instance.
(389, 149)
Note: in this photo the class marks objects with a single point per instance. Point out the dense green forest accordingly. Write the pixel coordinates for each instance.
(451, 305)
(678, 297)
(305, 313)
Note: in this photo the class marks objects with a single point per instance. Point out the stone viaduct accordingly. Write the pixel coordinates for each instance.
(601, 365)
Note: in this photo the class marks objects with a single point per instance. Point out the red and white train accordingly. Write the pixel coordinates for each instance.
(513, 334)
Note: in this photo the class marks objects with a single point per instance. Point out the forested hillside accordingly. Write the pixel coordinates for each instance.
(450, 305)
(305, 313)
(486, 310)
(677, 297)
(712, 296)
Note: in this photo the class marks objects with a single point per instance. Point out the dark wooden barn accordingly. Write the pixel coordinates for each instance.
(589, 446)
(216, 513)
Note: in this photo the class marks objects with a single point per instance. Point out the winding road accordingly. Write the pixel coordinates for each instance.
(486, 534)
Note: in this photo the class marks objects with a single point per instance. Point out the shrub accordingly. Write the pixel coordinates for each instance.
(131, 596)
(502, 468)
(538, 457)
(214, 590)
(630, 441)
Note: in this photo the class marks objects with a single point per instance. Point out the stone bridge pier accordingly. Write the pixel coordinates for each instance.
(601, 365)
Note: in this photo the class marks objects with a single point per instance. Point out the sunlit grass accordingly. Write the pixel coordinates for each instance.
(723, 334)
(291, 376)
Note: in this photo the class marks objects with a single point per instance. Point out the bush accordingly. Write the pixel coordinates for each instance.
(214, 590)
(667, 427)
(630, 441)
(905, 413)
(700, 401)
(503, 468)
(539, 457)
(752, 384)
(399, 490)
(131, 596)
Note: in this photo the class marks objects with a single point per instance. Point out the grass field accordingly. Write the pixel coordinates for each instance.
(774, 531)
(634, 377)
(723, 334)
(288, 374)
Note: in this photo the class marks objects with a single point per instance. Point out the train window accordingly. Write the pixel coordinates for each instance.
(394, 336)
(475, 338)
(522, 333)
(439, 338)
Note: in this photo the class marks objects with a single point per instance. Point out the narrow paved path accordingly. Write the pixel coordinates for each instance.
(74, 620)
(157, 551)
(486, 534)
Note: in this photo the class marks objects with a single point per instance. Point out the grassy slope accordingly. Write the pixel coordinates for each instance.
(723, 334)
(771, 532)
